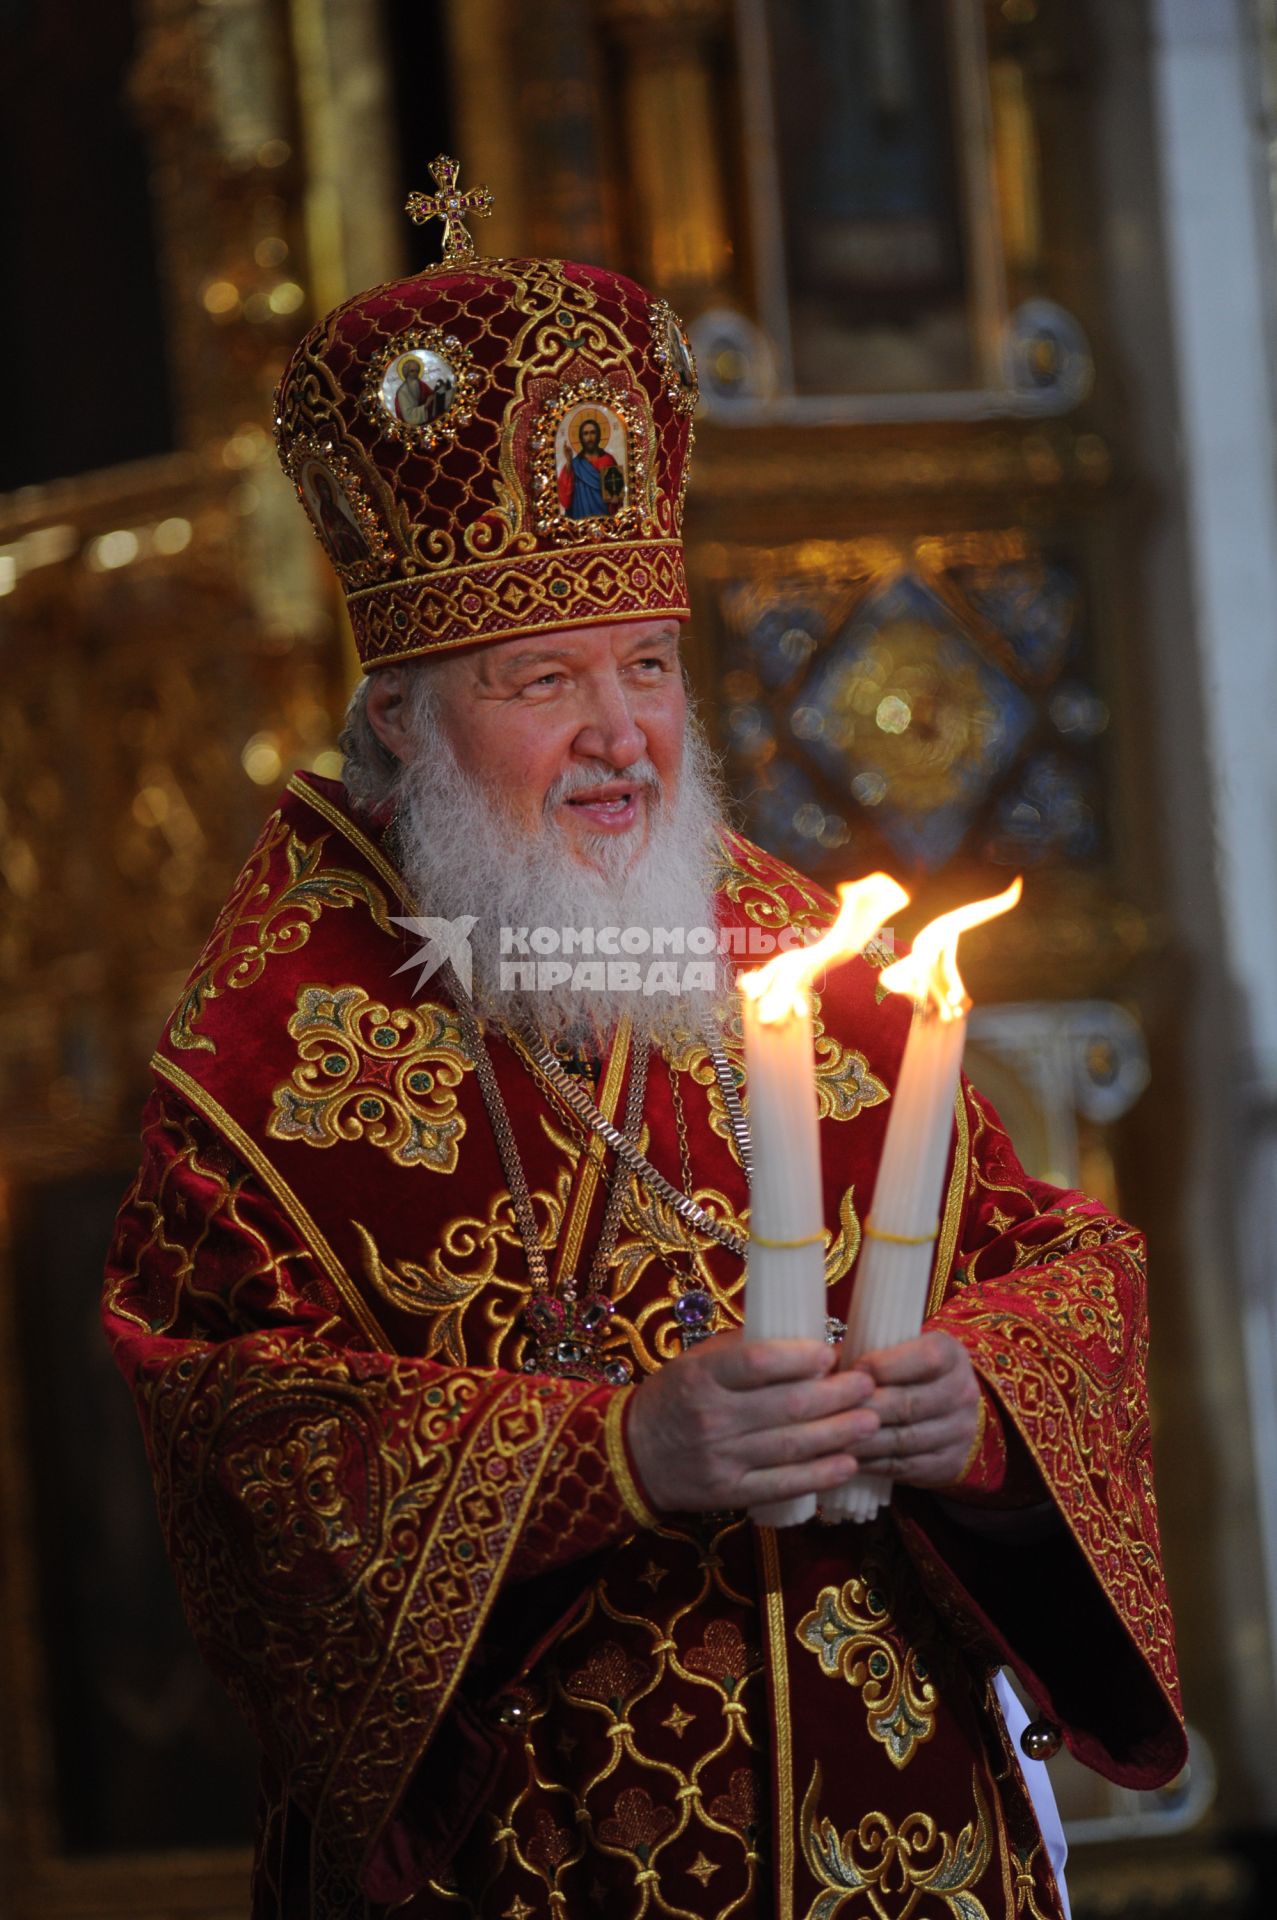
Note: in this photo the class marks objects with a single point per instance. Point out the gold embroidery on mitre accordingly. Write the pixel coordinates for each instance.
(334, 487)
(367, 1072)
(850, 1632)
(672, 351)
(259, 920)
(879, 1870)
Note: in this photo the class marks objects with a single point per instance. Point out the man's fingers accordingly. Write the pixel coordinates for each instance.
(905, 1445)
(761, 1487)
(781, 1446)
(911, 1406)
(795, 1403)
(745, 1364)
(924, 1358)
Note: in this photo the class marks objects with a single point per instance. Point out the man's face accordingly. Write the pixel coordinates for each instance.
(412, 369)
(590, 437)
(525, 714)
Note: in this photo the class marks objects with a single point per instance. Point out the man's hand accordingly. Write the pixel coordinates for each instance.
(741, 1423)
(927, 1399)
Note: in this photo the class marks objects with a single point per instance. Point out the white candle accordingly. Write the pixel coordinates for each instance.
(898, 1250)
(785, 1278)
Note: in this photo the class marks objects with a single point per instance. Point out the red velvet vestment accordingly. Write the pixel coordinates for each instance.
(485, 1678)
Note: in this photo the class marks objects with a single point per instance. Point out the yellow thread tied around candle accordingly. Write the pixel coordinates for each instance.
(901, 1239)
(809, 1240)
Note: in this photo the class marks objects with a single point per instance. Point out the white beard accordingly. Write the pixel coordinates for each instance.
(461, 853)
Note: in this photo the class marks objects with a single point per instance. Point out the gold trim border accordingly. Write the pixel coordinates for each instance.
(249, 1151)
(618, 1459)
(553, 1429)
(774, 1616)
(591, 1165)
(954, 1206)
(320, 804)
(498, 562)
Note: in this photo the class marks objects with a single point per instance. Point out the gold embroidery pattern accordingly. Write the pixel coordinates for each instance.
(882, 1871)
(462, 1265)
(368, 1072)
(1047, 1345)
(440, 1474)
(845, 1083)
(292, 1496)
(496, 600)
(653, 1232)
(527, 324)
(156, 1280)
(771, 893)
(850, 1632)
(263, 917)
(630, 1685)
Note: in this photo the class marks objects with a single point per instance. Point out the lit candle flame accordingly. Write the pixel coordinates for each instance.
(929, 973)
(780, 987)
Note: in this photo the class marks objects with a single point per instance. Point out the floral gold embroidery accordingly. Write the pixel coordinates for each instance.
(723, 1656)
(263, 917)
(291, 1493)
(850, 1632)
(636, 1826)
(881, 1871)
(845, 1083)
(368, 1072)
(610, 1677)
(759, 883)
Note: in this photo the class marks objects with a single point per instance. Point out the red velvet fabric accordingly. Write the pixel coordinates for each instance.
(481, 1680)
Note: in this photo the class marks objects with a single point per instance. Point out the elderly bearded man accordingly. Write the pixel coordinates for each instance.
(431, 1298)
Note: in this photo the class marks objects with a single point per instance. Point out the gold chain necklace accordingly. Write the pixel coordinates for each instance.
(634, 1162)
(566, 1331)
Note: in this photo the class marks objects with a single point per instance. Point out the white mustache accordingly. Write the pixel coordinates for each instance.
(577, 779)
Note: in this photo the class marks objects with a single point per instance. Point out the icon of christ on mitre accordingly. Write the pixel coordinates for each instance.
(430, 1285)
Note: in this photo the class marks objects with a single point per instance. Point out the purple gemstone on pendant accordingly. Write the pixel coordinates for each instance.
(693, 1308)
(617, 1373)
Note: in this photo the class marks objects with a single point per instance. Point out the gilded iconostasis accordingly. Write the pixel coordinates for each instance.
(925, 486)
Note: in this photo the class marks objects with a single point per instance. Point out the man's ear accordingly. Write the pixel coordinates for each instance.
(386, 708)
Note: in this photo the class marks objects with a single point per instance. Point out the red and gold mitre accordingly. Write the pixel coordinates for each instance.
(493, 448)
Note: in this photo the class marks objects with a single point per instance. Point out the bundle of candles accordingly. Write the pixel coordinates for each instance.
(785, 1280)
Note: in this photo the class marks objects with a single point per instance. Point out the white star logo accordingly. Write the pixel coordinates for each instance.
(445, 940)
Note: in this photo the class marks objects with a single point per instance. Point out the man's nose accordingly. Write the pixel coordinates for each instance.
(609, 731)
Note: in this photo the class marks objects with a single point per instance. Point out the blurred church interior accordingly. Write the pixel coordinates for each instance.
(983, 545)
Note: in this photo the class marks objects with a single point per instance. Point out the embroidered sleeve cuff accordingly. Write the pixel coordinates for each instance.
(621, 1460)
(985, 1467)
(999, 1470)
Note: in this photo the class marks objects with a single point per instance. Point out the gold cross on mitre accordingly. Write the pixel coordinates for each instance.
(451, 207)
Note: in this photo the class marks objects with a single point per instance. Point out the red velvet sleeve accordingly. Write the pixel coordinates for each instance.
(1048, 1297)
(340, 1521)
